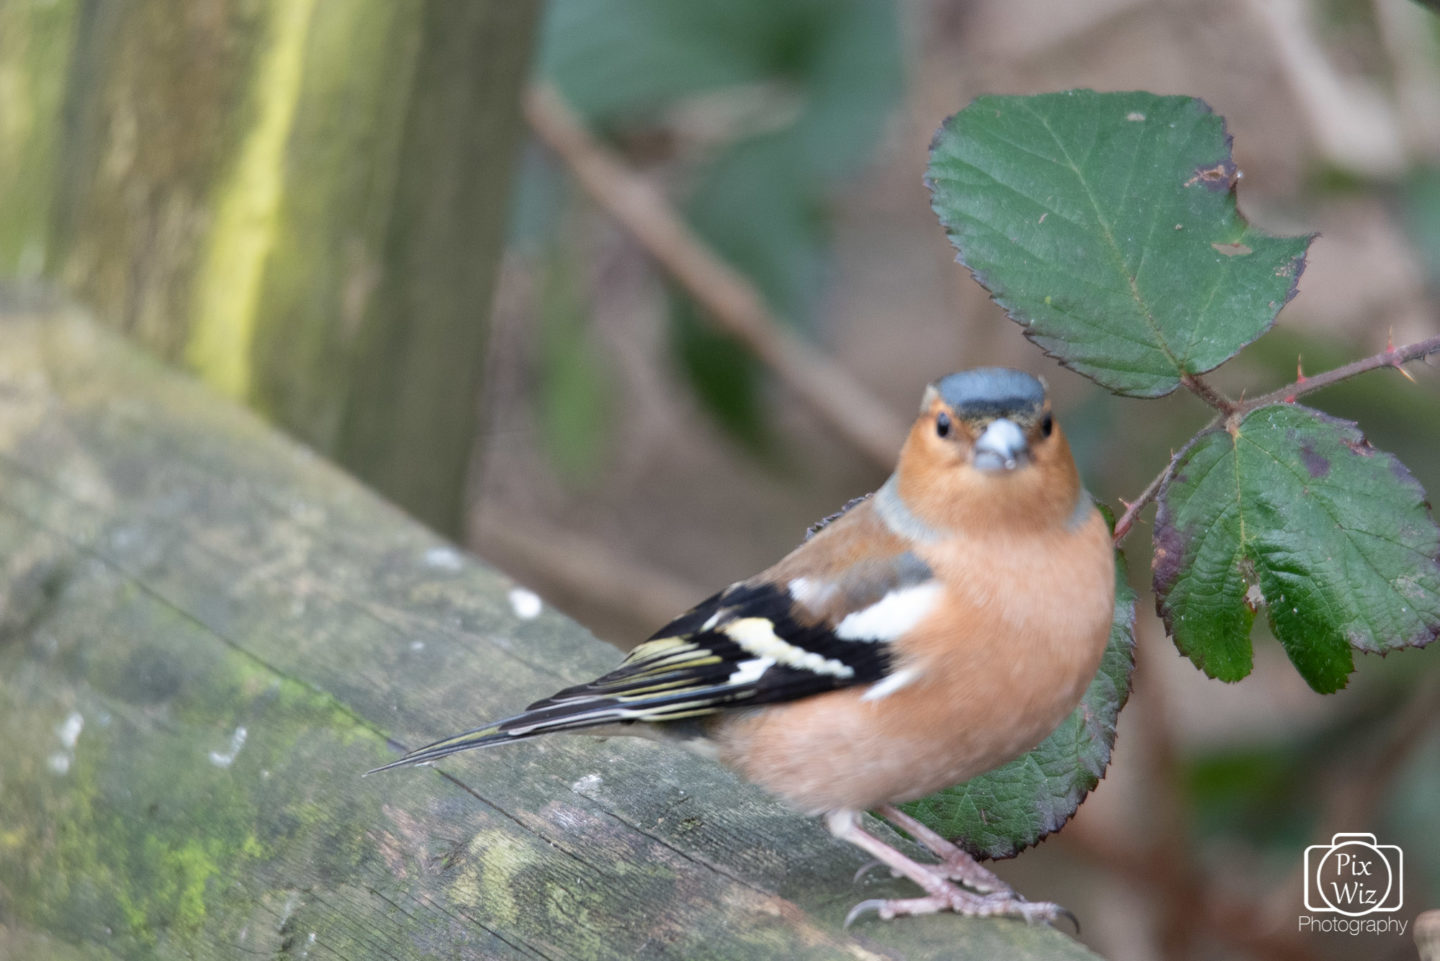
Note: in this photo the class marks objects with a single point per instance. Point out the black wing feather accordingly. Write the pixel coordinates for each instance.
(695, 665)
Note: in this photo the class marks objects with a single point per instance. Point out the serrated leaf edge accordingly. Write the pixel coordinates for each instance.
(1295, 267)
(1165, 572)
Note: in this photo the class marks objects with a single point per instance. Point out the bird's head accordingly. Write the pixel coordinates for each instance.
(985, 448)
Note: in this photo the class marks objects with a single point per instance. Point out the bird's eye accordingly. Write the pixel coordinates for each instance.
(1047, 425)
(942, 424)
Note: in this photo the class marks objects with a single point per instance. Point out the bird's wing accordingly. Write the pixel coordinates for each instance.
(756, 642)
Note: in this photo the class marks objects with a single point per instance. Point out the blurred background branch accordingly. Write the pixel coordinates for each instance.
(728, 299)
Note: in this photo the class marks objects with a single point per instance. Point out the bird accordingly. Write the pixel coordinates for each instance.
(930, 631)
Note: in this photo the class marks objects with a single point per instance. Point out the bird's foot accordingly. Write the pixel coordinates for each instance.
(990, 896)
(963, 869)
(957, 899)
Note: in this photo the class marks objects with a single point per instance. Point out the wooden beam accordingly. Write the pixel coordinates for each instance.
(207, 633)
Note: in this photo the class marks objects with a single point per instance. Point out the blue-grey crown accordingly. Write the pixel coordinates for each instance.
(991, 391)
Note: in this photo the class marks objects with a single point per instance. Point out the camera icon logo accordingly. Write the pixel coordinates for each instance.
(1354, 876)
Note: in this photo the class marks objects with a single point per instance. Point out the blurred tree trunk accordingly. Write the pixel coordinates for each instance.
(302, 201)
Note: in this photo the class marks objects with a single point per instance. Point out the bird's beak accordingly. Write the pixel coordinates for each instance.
(1001, 447)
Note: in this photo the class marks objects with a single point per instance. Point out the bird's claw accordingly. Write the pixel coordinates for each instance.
(958, 883)
(878, 905)
(866, 868)
(1046, 912)
(1067, 914)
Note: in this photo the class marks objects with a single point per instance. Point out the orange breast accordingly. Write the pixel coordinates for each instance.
(996, 667)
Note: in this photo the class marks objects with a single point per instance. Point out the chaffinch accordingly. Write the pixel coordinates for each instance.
(927, 633)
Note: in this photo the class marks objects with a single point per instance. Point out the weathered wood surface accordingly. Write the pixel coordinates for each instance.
(207, 633)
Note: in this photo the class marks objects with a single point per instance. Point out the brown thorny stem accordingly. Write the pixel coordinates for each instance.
(1232, 411)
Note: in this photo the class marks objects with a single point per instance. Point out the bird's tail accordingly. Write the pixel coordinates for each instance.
(479, 737)
(566, 711)
(637, 691)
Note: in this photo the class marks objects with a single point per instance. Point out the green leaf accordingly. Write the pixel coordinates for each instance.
(1294, 510)
(1105, 224)
(1003, 812)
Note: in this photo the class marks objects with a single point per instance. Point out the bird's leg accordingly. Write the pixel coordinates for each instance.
(958, 864)
(942, 894)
